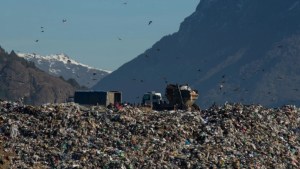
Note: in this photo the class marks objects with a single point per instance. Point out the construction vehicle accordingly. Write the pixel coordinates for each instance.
(177, 97)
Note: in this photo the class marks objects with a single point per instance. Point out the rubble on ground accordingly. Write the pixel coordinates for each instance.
(73, 136)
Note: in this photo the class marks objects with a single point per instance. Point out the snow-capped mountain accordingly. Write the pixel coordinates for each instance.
(63, 65)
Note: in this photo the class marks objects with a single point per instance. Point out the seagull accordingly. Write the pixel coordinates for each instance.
(221, 87)
(36, 40)
(64, 20)
(125, 3)
(149, 22)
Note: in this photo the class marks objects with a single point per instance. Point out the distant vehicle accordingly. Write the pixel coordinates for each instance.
(97, 97)
(178, 97)
(151, 98)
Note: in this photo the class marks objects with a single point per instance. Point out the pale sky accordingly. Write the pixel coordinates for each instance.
(100, 33)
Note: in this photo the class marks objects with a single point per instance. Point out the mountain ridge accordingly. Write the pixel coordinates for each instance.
(62, 65)
(236, 44)
(21, 80)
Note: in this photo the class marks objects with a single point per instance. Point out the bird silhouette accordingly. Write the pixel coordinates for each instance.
(149, 22)
(37, 40)
(280, 46)
(64, 20)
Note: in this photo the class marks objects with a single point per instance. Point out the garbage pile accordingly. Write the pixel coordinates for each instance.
(73, 136)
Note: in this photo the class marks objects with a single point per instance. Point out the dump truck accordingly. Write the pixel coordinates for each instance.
(176, 97)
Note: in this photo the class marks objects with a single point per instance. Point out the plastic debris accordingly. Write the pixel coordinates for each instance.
(73, 136)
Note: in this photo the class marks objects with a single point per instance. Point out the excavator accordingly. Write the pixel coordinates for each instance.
(177, 97)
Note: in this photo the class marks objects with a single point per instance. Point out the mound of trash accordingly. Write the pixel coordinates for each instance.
(73, 136)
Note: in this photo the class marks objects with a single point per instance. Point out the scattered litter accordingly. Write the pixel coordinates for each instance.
(73, 136)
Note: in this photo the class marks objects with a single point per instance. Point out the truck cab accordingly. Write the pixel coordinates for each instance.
(151, 99)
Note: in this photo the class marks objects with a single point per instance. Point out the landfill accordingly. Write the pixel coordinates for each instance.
(69, 135)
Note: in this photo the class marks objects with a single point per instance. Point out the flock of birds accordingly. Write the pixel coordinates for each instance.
(65, 20)
(42, 30)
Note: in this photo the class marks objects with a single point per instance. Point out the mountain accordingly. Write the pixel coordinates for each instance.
(62, 65)
(21, 79)
(230, 50)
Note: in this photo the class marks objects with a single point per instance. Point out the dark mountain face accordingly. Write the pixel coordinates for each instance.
(21, 79)
(230, 50)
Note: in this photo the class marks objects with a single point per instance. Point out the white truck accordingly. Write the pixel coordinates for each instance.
(151, 99)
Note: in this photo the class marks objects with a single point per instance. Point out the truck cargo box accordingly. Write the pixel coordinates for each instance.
(97, 97)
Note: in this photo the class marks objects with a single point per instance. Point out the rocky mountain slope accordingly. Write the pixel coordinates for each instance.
(21, 79)
(62, 65)
(238, 51)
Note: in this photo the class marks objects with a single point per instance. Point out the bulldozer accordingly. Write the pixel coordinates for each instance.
(177, 97)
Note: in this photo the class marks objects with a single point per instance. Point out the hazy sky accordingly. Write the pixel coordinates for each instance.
(101, 33)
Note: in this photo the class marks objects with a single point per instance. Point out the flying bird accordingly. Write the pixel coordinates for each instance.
(64, 20)
(149, 22)
(37, 40)
(125, 3)
(221, 87)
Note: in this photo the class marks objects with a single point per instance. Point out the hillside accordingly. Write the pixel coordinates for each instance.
(248, 47)
(21, 79)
